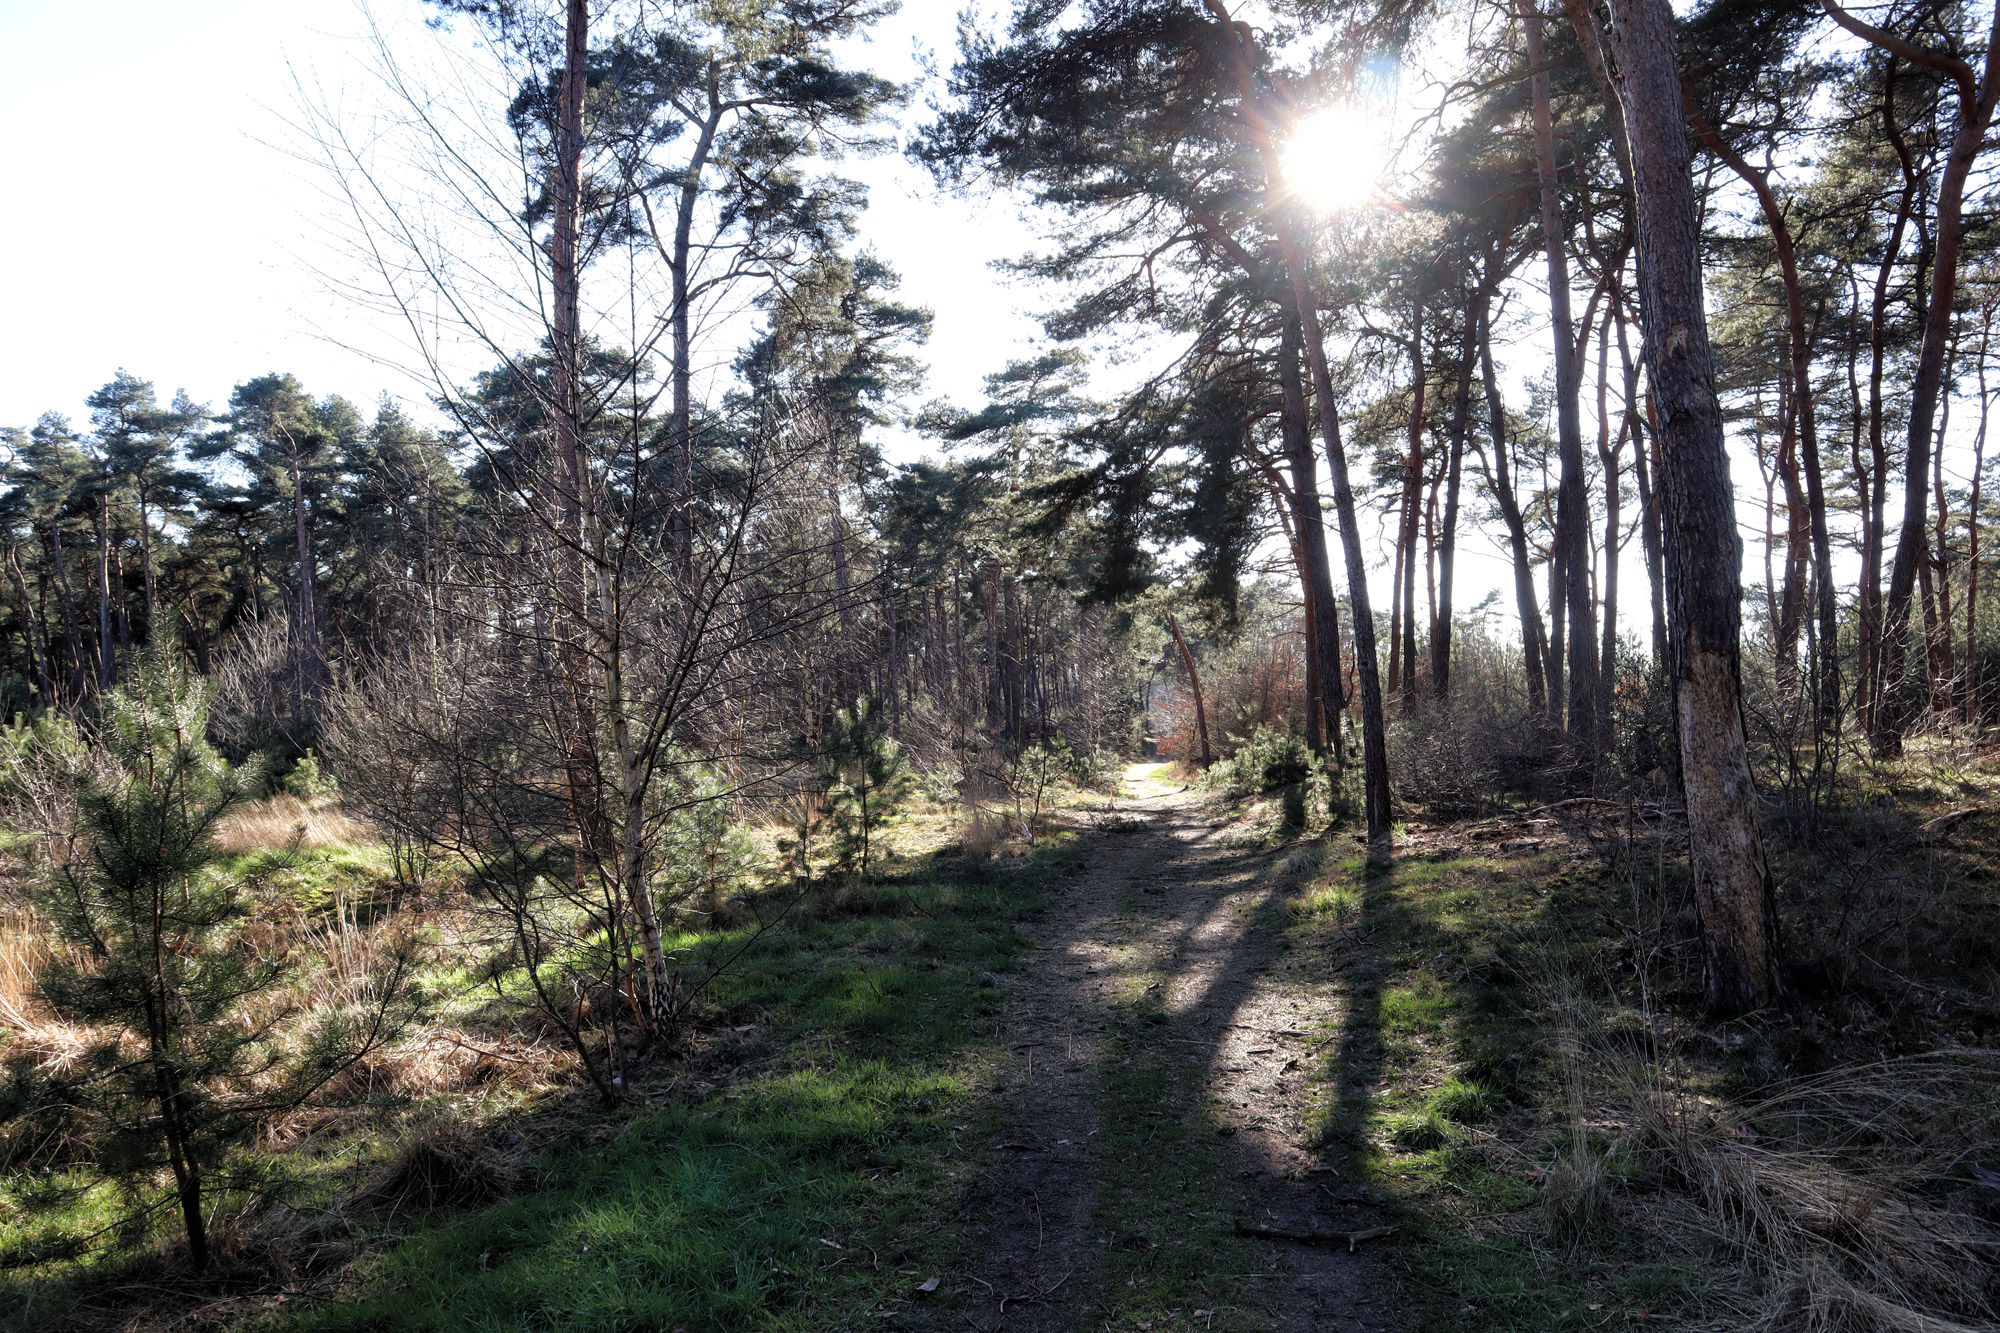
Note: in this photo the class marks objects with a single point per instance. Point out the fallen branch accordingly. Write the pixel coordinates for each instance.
(1312, 1235)
(1943, 824)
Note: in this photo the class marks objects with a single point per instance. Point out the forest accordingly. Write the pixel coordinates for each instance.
(1426, 760)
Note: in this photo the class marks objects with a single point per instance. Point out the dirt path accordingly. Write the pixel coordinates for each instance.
(1168, 915)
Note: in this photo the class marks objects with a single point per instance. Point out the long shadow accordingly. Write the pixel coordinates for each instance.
(1186, 1163)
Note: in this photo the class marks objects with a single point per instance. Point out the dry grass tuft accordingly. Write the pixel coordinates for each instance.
(25, 948)
(1576, 1192)
(449, 1166)
(1834, 1191)
(1821, 1299)
(984, 832)
(282, 821)
(442, 1062)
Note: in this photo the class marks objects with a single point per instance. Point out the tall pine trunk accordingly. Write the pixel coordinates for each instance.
(1732, 884)
(1461, 419)
(1976, 100)
(1572, 506)
(1322, 608)
(1501, 482)
(1374, 732)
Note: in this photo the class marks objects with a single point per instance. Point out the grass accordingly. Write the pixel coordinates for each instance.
(1443, 1029)
(1526, 1075)
(1163, 1202)
(800, 1175)
(1518, 1075)
(796, 1167)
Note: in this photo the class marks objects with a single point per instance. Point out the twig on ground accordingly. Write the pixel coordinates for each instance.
(1312, 1235)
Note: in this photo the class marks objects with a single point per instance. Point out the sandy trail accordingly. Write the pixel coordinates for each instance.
(1165, 902)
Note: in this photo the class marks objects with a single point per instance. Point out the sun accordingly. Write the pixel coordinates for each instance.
(1334, 158)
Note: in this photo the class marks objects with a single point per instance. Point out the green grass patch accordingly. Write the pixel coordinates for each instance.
(811, 1185)
(1445, 1029)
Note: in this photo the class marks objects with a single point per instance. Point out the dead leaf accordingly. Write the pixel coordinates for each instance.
(928, 1285)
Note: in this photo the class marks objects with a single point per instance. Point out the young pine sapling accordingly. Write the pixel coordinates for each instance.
(199, 1030)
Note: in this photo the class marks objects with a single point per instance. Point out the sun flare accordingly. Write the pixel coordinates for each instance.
(1334, 158)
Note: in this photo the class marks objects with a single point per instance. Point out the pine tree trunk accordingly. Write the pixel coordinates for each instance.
(1942, 670)
(104, 590)
(1975, 106)
(1461, 421)
(1501, 483)
(1874, 539)
(1322, 607)
(1572, 506)
(1374, 732)
(680, 267)
(1972, 527)
(1826, 697)
(1413, 484)
(1609, 452)
(1194, 685)
(37, 650)
(1704, 554)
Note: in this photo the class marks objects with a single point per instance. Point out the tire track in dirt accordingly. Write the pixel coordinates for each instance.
(1166, 908)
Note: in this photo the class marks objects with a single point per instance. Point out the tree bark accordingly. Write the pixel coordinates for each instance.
(1461, 417)
(1194, 684)
(1875, 506)
(1972, 526)
(1500, 482)
(1572, 506)
(680, 266)
(1649, 507)
(1374, 732)
(104, 658)
(1413, 486)
(1324, 609)
(1826, 680)
(1609, 451)
(1733, 890)
(37, 652)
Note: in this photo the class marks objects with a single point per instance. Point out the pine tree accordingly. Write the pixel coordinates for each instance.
(869, 778)
(198, 1035)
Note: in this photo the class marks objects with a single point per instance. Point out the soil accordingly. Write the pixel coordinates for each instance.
(1235, 1033)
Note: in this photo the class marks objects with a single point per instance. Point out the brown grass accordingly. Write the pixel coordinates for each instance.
(278, 822)
(984, 832)
(1840, 1196)
(24, 949)
(447, 1166)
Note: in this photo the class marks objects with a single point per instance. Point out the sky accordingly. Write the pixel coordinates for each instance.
(162, 220)
(161, 223)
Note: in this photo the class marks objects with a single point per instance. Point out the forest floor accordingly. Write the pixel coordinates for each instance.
(1143, 1076)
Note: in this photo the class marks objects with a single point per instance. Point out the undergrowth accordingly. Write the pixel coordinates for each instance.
(1527, 1074)
(794, 1166)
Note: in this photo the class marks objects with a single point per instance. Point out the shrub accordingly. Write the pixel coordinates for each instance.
(1271, 758)
(704, 850)
(309, 779)
(942, 783)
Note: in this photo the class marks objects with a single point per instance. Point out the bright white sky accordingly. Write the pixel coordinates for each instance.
(157, 224)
